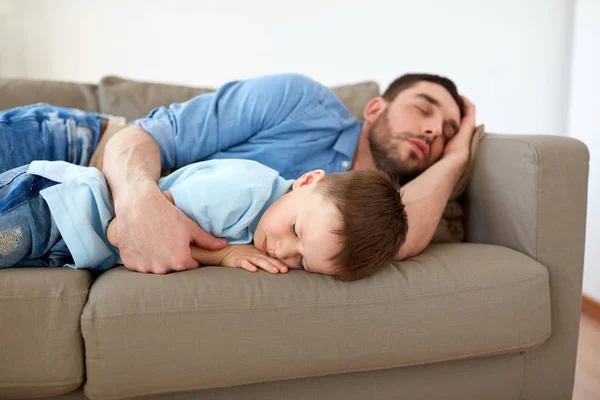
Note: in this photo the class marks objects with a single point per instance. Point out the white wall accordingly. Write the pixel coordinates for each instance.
(584, 124)
(12, 62)
(510, 57)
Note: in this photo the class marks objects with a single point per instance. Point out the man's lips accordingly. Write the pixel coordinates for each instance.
(420, 147)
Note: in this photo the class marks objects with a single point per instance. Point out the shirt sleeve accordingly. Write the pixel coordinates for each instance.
(222, 202)
(191, 131)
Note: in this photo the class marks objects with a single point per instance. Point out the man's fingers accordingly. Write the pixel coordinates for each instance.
(468, 103)
(190, 263)
(205, 240)
(166, 266)
(469, 109)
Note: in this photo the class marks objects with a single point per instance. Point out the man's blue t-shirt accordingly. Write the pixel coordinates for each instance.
(288, 122)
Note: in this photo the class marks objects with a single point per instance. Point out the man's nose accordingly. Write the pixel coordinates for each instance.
(432, 132)
(432, 129)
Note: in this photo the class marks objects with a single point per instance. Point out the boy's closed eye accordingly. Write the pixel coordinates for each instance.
(296, 234)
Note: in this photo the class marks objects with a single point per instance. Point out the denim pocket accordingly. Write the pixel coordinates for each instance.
(21, 188)
(6, 178)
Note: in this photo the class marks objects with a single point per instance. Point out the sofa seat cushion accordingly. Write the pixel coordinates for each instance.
(217, 327)
(40, 311)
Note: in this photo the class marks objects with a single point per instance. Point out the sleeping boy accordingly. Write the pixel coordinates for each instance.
(348, 225)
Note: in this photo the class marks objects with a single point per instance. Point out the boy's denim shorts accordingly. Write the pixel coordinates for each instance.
(46, 132)
(29, 236)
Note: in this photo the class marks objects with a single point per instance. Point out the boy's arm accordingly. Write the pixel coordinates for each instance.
(204, 257)
(244, 256)
(209, 257)
(237, 256)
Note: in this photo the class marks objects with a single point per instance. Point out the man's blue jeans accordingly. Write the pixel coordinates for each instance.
(45, 132)
(29, 236)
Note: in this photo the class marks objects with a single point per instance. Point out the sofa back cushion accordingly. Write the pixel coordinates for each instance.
(20, 92)
(135, 99)
(356, 96)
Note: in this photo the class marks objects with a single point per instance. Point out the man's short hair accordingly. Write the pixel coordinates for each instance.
(374, 222)
(408, 80)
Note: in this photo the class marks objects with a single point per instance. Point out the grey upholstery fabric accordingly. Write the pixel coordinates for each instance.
(239, 328)
(135, 99)
(529, 193)
(489, 378)
(20, 92)
(41, 346)
(356, 96)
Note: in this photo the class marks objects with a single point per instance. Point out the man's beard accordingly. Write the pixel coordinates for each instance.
(386, 155)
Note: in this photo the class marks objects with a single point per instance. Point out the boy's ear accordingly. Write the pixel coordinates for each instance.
(309, 178)
(373, 108)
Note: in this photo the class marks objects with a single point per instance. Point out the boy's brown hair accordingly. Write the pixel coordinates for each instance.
(373, 217)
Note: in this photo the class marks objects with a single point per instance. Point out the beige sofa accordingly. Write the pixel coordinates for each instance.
(493, 318)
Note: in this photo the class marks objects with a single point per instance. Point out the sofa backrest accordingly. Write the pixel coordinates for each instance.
(20, 92)
(135, 99)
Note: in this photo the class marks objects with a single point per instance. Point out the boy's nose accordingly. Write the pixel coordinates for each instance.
(286, 251)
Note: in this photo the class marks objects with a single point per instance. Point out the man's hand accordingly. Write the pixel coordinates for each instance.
(459, 146)
(154, 236)
(248, 257)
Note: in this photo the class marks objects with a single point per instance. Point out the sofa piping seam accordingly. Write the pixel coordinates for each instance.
(78, 294)
(525, 354)
(461, 358)
(27, 385)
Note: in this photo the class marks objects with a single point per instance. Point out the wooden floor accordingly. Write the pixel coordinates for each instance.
(587, 372)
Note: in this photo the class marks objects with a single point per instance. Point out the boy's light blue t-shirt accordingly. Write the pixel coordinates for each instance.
(225, 197)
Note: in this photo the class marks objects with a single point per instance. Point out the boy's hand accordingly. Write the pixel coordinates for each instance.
(248, 257)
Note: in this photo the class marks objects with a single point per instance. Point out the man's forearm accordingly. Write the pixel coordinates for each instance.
(425, 199)
(131, 162)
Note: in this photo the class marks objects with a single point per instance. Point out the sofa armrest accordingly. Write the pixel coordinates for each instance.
(529, 193)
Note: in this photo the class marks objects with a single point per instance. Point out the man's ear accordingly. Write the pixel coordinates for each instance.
(309, 178)
(373, 108)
